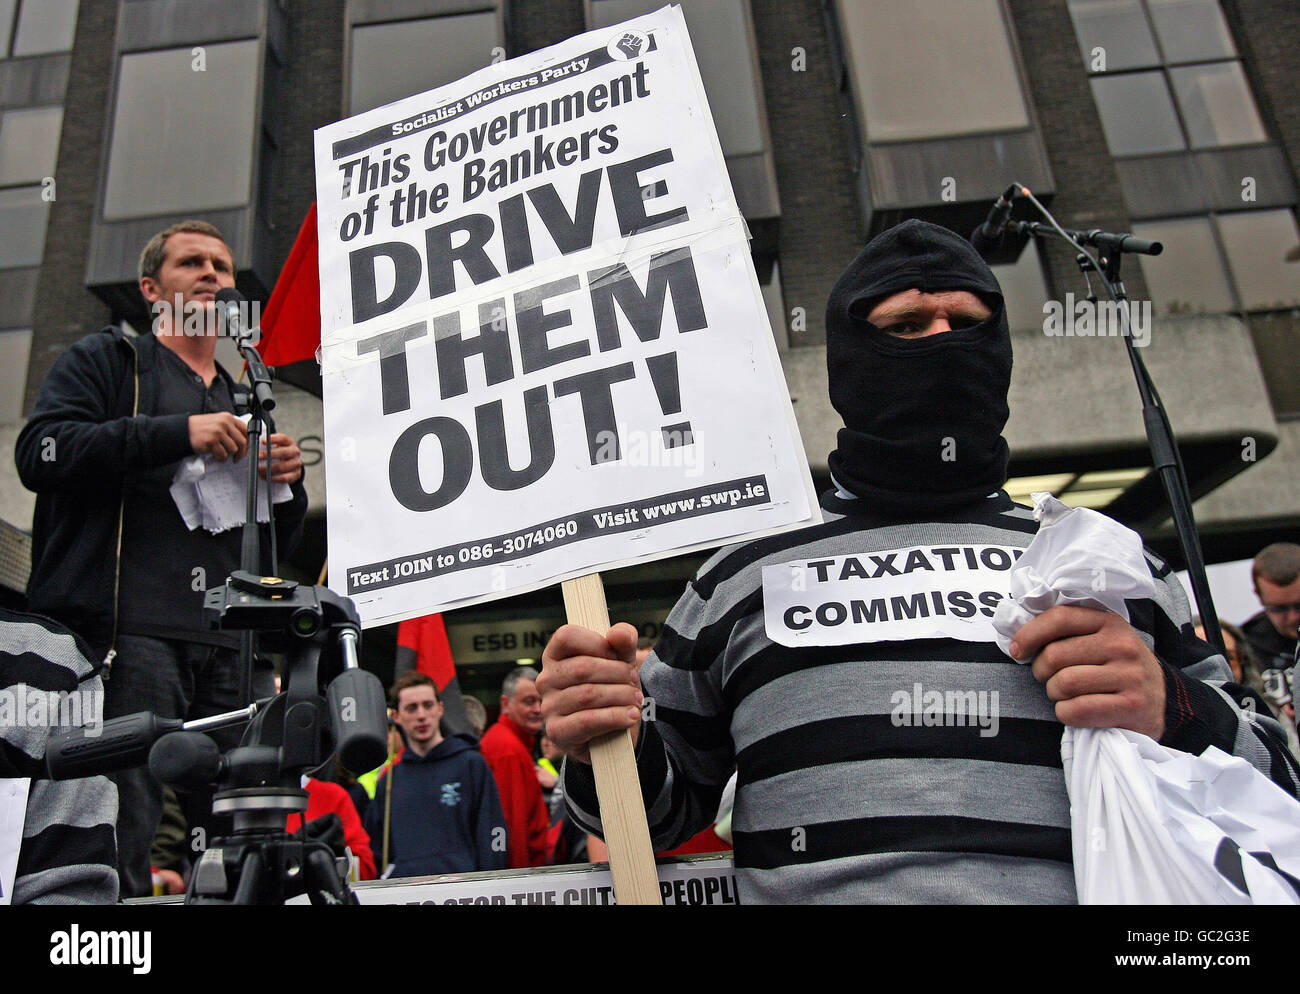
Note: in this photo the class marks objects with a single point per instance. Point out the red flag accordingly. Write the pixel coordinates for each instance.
(291, 321)
(422, 645)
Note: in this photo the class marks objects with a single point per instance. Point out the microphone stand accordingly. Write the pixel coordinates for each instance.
(261, 403)
(1165, 458)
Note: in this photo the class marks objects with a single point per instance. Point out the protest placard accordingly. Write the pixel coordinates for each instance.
(544, 350)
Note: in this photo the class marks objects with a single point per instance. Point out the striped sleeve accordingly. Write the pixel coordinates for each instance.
(684, 750)
(1203, 707)
(68, 853)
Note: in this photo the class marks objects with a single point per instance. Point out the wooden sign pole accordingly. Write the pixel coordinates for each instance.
(631, 858)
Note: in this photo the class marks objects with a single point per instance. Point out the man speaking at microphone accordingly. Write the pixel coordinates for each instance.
(853, 785)
(112, 556)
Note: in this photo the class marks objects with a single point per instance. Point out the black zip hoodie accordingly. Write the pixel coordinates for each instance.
(93, 425)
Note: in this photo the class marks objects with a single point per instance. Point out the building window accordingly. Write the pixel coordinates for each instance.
(1225, 262)
(29, 148)
(7, 10)
(22, 219)
(918, 99)
(1189, 277)
(1217, 105)
(1191, 30)
(36, 27)
(176, 118)
(1114, 34)
(15, 348)
(399, 59)
(1137, 113)
(734, 87)
(29, 144)
(1167, 80)
(1165, 75)
(1024, 288)
(1258, 244)
(948, 90)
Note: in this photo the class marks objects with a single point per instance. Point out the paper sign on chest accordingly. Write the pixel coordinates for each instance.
(916, 592)
(544, 350)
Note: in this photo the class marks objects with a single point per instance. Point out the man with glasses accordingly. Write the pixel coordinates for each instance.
(1272, 632)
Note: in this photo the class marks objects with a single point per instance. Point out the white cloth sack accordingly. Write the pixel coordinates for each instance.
(1152, 825)
(1149, 825)
(1078, 557)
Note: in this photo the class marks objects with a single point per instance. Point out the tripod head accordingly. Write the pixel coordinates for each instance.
(318, 631)
(259, 783)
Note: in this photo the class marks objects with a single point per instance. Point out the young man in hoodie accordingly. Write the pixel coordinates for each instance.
(437, 803)
(852, 787)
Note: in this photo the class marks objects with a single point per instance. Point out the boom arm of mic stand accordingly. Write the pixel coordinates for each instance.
(1109, 242)
(1160, 436)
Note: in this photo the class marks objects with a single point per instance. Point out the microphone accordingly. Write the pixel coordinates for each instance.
(230, 306)
(988, 236)
(186, 759)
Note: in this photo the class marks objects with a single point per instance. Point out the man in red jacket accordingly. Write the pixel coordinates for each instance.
(508, 748)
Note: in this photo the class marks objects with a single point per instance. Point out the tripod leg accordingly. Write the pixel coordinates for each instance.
(322, 878)
(250, 878)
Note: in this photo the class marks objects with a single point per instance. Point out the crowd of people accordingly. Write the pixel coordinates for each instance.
(459, 802)
(832, 800)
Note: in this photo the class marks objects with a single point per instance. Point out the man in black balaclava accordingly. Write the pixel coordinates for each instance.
(918, 355)
(886, 749)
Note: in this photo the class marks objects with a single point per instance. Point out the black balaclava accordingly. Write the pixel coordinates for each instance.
(923, 417)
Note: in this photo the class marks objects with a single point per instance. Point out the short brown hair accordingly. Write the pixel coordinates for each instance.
(151, 259)
(1278, 563)
(411, 678)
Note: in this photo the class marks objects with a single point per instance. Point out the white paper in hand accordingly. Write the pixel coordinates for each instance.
(215, 494)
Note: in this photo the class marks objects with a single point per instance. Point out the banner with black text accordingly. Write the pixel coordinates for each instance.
(544, 349)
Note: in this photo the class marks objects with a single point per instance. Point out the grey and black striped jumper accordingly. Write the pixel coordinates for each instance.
(835, 802)
(68, 853)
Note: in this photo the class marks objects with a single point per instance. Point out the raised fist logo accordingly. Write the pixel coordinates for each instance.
(629, 45)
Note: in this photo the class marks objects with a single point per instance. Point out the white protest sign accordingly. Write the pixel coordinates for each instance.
(916, 592)
(13, 813)
(544, 350)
